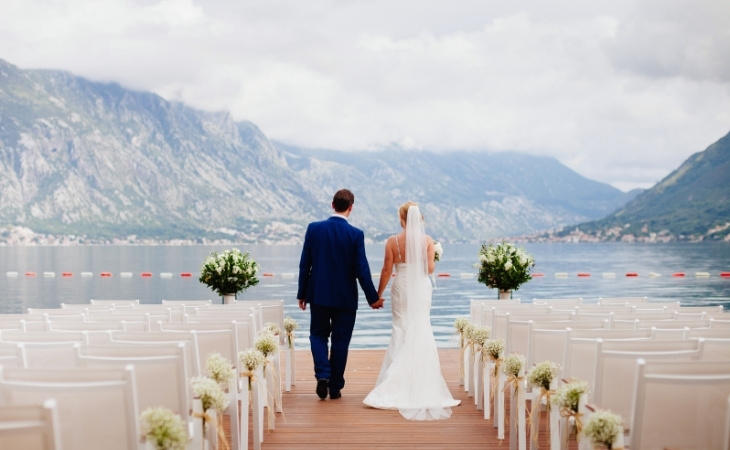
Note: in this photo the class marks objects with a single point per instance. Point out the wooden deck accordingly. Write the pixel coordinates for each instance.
(346, 423)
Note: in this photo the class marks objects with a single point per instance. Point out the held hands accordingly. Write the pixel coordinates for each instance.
(378, 304)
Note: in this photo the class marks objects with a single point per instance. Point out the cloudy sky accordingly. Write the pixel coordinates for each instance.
(622, 91)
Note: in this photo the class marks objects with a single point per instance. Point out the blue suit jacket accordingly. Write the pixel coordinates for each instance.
(333, 261)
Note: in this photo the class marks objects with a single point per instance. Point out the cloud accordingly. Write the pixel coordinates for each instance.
(621, 91)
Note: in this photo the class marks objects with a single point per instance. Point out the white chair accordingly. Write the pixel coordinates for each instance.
(11, 355)
(605, 300)
(187, 302)
(96, 408)
(30, 427)
(159, 337)
(161, 373)
(680, 406)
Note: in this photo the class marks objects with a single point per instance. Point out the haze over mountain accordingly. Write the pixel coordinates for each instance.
(95, 159)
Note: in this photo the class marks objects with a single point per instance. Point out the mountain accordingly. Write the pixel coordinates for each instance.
(96, 160)
(691, 203)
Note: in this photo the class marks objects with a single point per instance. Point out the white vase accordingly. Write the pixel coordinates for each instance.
(229, 298)
(505, 295)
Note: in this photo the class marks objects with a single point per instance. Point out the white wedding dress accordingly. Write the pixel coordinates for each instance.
(410, 378)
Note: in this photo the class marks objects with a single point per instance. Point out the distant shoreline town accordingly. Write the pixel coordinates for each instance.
(16, 235)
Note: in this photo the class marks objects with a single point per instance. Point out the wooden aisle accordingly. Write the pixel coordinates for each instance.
(310, 423)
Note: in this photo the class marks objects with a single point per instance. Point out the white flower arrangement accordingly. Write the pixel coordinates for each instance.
(210, 393)
(603, 428)
(251, 359)
(267, 344)
(229, 272)
(290, 325)
(438, 251)
(504, 266)
(460, 323)
(542, 374)
(513, 364)
(219, 368)
(479, 335)
(494, 348)
(568, 395)
(163, 429)
(271, 328)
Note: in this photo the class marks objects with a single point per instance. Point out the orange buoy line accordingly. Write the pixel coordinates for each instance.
(444, 275)
(105, 274)
(145, 274)
(67, 274)
(725, 274)
(535, 275)
(678, 274)
(267, 274)
(186, 274)
(29, 274)
(584, 274)
(632, 274)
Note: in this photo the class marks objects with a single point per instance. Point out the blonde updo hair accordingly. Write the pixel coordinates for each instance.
(403, 211)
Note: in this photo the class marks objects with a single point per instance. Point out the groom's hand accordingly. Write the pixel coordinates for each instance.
(303, 304)
(378, 304)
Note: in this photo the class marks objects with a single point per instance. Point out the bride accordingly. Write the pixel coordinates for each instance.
(410, 378)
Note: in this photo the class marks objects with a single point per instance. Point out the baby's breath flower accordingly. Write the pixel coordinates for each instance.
(252, 359)
(164, 429)
(513, 364)
(267, 344)
(603, 427)
(290, 324)
(479, 335)
(272, 328)
(494, 348)
(460, 323)
(567, 395)
(209, 392)
(541, 375)
(219, 368)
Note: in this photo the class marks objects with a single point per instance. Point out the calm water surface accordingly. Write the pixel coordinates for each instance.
(654, 265)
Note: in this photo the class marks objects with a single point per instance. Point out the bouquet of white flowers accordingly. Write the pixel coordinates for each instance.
(603, 428)
(229, 272)
(219, 368)
(438, 251)
(504, 266)
(541, 375)
(163, 429)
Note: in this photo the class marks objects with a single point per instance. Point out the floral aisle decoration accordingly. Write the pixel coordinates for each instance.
(494, 348)
(541, 376)
(567, 398)
(514, 369)
(229, 272)
(212, 398)
(219, 369)
(163, 429)
(606, 429)
(504, 266)
(268, 344)
(290, 325)
(460, 324)
(251, 360)
(513, 364)
(272, 328)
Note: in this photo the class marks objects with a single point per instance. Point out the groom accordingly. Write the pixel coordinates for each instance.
(333, 261)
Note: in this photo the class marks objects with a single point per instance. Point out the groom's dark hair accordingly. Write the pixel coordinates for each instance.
(342, 200)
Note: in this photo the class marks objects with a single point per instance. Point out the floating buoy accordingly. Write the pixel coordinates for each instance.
(725, 274)
(11, 274)
(561, 274)
(29, 274)
(49, 274)
(186, 274)
(145, 274)
(537, 275)
(609, 275)
(678, 274)
(584, 274)
(287, 275)
(467, 275)
(126, 274)
(105, 274)
(444, 275)
(165, 275)
(87, 274)
(632, 274)
(267, 274)
(654, 274)
(702, 274)
(67, 274)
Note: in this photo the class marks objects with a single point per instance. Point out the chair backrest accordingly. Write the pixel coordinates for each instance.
(708, 333)
(615, 392)
(558, 301)
(159, 337)
(30, 427)
(160, 373)
(11, 355)
(96, 408)
(41, 336)
(114, 302)
(673, 408)
(188, 302)
(546, 340)
(623, 299)
(49, 355)
(273, 312)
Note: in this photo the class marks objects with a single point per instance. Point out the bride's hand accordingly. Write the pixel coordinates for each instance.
(378, 304)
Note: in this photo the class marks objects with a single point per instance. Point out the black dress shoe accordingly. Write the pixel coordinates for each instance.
(335, 395)
(322, 388)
